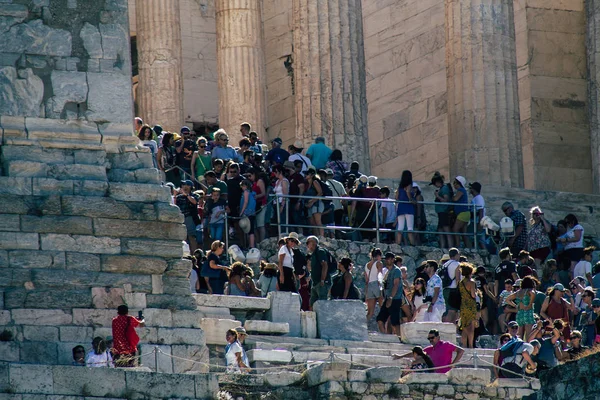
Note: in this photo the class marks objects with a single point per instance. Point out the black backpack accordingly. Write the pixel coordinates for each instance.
(510, 349)
(300, 262)
(326, 192)
(338, 286)
(444, 274)
(331, 263)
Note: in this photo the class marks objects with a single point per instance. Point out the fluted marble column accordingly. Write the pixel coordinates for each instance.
(592, 8)
(483, 107)
(240, 64)
(160, 90)
(329, 76)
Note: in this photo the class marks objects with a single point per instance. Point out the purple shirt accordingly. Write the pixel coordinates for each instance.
(441, 355)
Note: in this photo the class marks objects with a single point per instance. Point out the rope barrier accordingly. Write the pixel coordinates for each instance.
(407, 370)
(124, 359)
(527, 378)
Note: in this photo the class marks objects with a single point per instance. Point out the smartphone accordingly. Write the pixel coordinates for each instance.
(140, 315)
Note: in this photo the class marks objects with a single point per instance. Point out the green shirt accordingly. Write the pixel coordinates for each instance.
(444, 191)
(221, 185)
(317, 257)
(392, 275)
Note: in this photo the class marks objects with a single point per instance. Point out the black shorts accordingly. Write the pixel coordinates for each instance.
(443, 219)
(393, 312)
(289, 281)
(575, 254)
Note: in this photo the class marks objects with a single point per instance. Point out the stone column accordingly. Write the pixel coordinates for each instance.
(160, 90)
(329, 76)
(483, 106)
(240, 65)
(593, 62)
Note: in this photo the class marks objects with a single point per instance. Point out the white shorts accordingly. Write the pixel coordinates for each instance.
(410, 222)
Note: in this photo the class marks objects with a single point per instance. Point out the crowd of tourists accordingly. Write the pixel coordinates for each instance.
(536, 299)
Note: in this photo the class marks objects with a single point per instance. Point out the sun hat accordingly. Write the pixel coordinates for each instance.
(462, 180)
(363, 179)
(559, 286)
(185, 129)
(292, 236)
(242, 330)
(289, 165)
(245, 224)
(298, 145)
(476, 186)
(312, 237)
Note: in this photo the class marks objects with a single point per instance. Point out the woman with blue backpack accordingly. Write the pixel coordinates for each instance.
(248, 208)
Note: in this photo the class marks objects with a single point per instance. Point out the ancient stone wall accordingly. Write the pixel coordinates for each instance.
(406, 86)
(552, 71)
(277, 32)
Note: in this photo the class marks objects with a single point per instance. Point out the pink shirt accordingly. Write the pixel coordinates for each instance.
(441, 355)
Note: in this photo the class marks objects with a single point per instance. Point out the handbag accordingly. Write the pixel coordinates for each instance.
(131, 335)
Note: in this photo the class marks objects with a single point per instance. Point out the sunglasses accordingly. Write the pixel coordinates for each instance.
(225, 140)
(595, 306)
(202, 147)
(584, 295)
(575, 337)
(430, 338)
(504, 209)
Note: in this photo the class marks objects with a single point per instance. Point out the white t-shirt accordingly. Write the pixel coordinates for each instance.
(94, 360)
(231, 358)
(390, 216)
(452, 265)
(582, 268)
(337, 190)
(518, 358)
(305, 161)
(193, 281)
(571, 234)
(288, 260)
(479, 203)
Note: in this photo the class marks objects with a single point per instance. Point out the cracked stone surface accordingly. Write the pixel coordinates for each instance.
(20, 92)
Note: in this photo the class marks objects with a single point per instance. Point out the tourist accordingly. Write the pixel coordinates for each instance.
(327, 217)
(242, 335)
(213, 181)
(373, 271)
(526, 265)
(245, 129)
(217, 214)
(237, 285)
(443, 194)
(503, 310)
(405, 211)
(219, 169)
(166, 159)
(185, 148)
(596, 277)
(548, 334)
(338, 190)
(297, 188)
(538, 238)
(78, 356)
(548, 275)
(517, 242)
(433, 295)
(267, 281)
(573, 241)
(523, 301)
(223, 150)
(479, 202)
(234, 354)
(244, 144)
(421, 361)
(248, 163)
(233, 179)
(441, 352)
(319, 153)
(518, 358)
(146, 138)
(287, 280)
(277, 155)
(99, 357)
(282, 189)
(295, 151)
(450, 276)
(556, 307)
(302, 276)
(194, 275)
(507, 269)
(596, 309)
(201, 161)
(504, 338)
(248, 208)
(318, 267)
(469, 316)
(576, 349)
(343, 287)
(125, 337)
(259, 187)
(420, 217)
(138, 123)
(315, 206)
(337, 165)
(188, 205)
(461, 210)
(387, 214)
(587, 320)
(417, 299)
(213, 272)
(486, 295)
(255, 143)
(577, 287)
(394, 299)
(584, 266)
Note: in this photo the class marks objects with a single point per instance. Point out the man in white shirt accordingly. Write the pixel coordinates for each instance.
(479, 203)
(451, 265)
(337, 190)
(296, 154)
(584, 266)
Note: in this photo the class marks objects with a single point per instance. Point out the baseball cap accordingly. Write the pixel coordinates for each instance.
(372, 179)
(476, 186)
(389, 254)
(329, 171)
(312, 237)
(513, 324)
(596, 302)
(187, 182)
(289, 164)
(277, 140)
(184, 129)
(559, 286)
(363, 179)
(311, 170)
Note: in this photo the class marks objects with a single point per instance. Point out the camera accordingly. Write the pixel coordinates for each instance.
(545, 323)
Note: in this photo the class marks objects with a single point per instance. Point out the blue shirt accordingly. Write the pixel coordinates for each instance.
(404, 208)
(277, 155)
(319, 154)
(226, 153)
(464, 199)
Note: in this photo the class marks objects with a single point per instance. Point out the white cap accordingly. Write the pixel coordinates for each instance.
(415, 184)
(363, 179)
(372, 179)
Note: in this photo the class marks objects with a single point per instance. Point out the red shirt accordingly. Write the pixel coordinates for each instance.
(119, 326)
(441, 355)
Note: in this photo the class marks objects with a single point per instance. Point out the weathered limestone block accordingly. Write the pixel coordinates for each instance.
(81, 243)
(76, 333)
(22, 91)
(92, 317)
(326, 372)
(199, 354)
(13, 126)
(62, 130)
(178, 267)
(102, 382)
(35, 379)
(333, 317)
(108, 97)
(170, 301)
(149, 358)
(83, 261)
(57, 224)
(158, 317)
(266, 327)
(168, 213)
(38, 296)
(384, 374)
(283, 378)
(357, 375)
(92, 40)
(471, 376)
(39, 352)
(271, 356)
(47, 186)
(4, 314)
(232, 302)
(10, 352)
(130, 160)
(36, 259)
(186, 318)
(9, 223)
(16, 185)
(138, 192)
(105, 297)
(41, 317)
(139, 229)
(67, 87)
(133, 264)
(161, 385)
(214, 329)
(40, 333)
(176, 285)
(308, 321)
(416, 332)
(90, 188)
(285, 307)
(95, 207)
(147, 247)
(424, 378)
(18, 240)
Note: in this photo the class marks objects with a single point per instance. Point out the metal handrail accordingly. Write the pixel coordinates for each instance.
(472, 208)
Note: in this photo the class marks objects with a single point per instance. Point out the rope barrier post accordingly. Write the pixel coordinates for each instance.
(226, 232)
(377, 220)
(156, 350)
(278, 215)
(475, 359)
(331, 356)
(475, 227)
(287, 215)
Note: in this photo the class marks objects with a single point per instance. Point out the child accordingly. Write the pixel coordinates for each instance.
(387, 210)
(217, 214)
(502, 314)
(248, 208)
(200, 226)
(78, 356)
